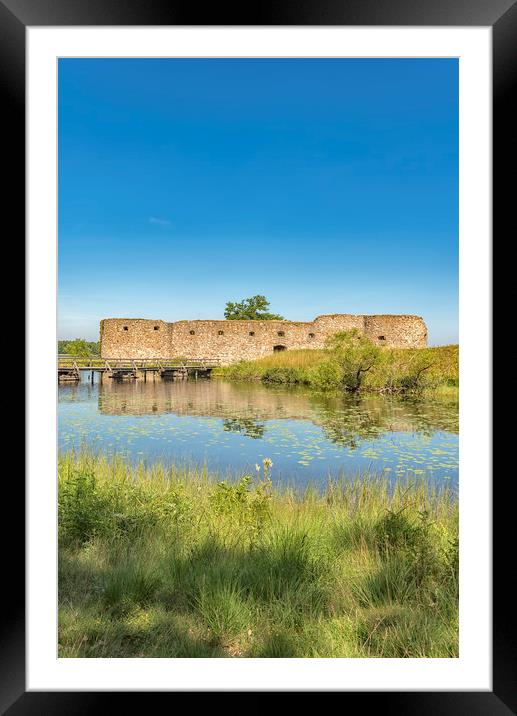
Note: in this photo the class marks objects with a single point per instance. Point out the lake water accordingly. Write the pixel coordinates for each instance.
(232, 426)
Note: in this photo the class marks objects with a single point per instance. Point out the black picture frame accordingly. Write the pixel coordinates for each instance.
(501, 15)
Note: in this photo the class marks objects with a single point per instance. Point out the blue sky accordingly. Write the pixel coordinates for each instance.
(328, 185)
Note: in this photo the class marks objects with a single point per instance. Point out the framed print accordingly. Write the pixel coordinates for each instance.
(259, 446)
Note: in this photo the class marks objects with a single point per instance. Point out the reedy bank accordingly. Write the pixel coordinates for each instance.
(172, 562)
(352, 363)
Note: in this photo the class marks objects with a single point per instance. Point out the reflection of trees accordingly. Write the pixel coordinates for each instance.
(247, 426)
(354, 426)
(428, 415)
(245, 408)
(348, 420)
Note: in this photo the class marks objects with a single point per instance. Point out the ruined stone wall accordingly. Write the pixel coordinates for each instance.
(399, 331)
(135, 338)
(231, 341)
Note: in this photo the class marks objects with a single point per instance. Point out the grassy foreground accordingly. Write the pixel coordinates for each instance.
(390, 370)
(163, 562)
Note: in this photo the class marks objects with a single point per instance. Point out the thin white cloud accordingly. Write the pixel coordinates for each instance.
(159, 222)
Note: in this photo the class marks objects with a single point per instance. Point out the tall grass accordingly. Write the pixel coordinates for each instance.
(164, 562)
(396, 370)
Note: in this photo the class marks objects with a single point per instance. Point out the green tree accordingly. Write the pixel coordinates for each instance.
(354, 354)
(415, 377)
(250, 309)
(78, 347)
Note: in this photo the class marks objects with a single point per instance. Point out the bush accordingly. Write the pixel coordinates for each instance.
(415, 374)
(117, 507)
(326, 376)
(281, 375)
(355, 355)
(247, 502)
(411, 542)
(81, 508)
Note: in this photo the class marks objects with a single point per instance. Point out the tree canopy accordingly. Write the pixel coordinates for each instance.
(353, 355)
(250, 309)
(78, 347)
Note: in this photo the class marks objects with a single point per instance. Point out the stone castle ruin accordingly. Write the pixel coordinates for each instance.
(230, 341)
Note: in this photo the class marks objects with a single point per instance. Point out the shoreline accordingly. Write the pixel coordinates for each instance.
(390, 371)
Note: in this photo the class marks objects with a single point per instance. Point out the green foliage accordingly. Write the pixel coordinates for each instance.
(413, 544)
(282, 375)
(327, 375)
(250, 309)
(155, 561)
(351, 362)
(355, 355)
(120, 507)
(247, 501)
(81, 508)
(79, 347)
(416, 374)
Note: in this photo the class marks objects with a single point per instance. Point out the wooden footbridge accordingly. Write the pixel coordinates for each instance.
(69, 368)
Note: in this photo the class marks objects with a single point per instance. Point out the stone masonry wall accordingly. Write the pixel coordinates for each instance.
(231, 341)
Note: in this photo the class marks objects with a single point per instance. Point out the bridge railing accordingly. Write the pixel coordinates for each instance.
(67, 361)
(97, 363)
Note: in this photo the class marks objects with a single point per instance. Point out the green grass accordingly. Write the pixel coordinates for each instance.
(160, 562)
(395, 370)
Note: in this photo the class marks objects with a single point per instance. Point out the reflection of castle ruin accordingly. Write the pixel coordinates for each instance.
(230, 341)
(245, 408)
(216, 398)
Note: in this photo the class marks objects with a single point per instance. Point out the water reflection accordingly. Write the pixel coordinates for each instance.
(248, 426)
(244, 406)
(232, 425)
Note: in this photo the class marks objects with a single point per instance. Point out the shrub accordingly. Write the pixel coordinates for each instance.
(281, 375)
(248, 502)
(326, 376)
(415, 374)
(81, 507)
(116, 506)
(411, 541)
(355, 355)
